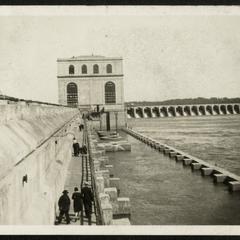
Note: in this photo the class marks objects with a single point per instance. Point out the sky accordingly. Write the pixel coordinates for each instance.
(165, 56)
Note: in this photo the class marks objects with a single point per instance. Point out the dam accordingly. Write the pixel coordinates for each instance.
(182, 110)
(136, 175)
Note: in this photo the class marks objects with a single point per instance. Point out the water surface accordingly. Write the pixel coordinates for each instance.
(163, 192)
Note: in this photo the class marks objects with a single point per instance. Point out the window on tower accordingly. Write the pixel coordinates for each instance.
(95, 68)
(72, 94)
(71, 69)
(110, 93)
(84, 69)
(109, 68)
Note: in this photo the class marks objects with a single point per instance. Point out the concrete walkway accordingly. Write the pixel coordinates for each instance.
(73, 179)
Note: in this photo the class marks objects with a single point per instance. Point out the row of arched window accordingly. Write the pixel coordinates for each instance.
(72, 93)
(84, 69)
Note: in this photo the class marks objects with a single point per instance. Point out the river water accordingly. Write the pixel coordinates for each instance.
(163, 192)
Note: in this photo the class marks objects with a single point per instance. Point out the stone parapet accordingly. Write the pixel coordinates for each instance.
(108, 188)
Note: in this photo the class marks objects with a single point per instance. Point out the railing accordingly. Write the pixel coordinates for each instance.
(13, 99)
(97, 208)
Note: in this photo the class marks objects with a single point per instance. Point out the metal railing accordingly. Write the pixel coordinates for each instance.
(97, 208)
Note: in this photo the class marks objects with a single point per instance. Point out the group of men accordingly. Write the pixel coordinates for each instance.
(80, 199)
(77, 150)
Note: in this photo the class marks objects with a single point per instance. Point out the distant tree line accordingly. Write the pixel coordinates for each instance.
(185, 101)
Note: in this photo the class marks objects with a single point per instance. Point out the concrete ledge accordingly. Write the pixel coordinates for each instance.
(172, 154)
(112, 192)
(206, 171)
(109, 168)
(104, 198)
(100, 184)
(166, 151)
(124, 206)
(114, 182)
(121, 221)
(187, 161)
(219, 178)
(179, 157)
(234, 186)
(107, 213)
(96, 164)
(161, 148)
(105, 175)
(196, 166)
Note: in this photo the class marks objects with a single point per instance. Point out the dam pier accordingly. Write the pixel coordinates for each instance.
(182, 110)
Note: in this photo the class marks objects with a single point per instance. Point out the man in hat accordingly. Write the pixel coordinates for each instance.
(64, 205)
(87, 196)
(76, 147)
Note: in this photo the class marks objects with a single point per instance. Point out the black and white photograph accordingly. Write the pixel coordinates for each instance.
(120, 116)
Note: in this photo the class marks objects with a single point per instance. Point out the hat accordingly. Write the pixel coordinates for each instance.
(65, 191)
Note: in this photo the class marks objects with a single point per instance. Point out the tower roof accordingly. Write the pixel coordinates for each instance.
(88, 58)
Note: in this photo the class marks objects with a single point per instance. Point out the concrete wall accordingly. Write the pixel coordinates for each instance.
(35, 142)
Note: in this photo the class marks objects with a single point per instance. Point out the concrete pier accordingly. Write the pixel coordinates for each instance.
(207, 171)
(196, 165)
(114, 209)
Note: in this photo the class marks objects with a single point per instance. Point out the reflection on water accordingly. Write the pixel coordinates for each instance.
(163, 192)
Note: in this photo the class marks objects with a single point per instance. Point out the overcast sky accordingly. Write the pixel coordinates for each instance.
(165, 57)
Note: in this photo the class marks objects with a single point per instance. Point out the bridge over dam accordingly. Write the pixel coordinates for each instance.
(182, 110)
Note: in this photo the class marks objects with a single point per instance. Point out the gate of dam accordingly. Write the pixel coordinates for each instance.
(182, 110)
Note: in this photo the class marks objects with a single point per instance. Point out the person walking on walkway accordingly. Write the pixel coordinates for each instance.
(87, 196)
(64, 205)
(76, 147)
(84, 149)
(77, 202)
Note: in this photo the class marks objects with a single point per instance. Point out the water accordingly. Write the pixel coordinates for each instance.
(163, 192)
(213, 139)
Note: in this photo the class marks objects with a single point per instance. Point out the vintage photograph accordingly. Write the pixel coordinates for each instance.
(120, 116)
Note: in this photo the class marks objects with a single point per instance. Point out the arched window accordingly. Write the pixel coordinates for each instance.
(109, 68)
(84, 69)
(72, 94)
(95, 68)
(110, 93)
(71, 69)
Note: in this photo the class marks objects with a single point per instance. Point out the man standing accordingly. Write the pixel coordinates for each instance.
(64, 205)
(76, 147)
(87, 201)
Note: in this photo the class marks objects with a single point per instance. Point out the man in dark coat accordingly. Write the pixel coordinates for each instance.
(77, 202)
(84, 149)
(76, 147)
(64, 205)
(87, 196)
